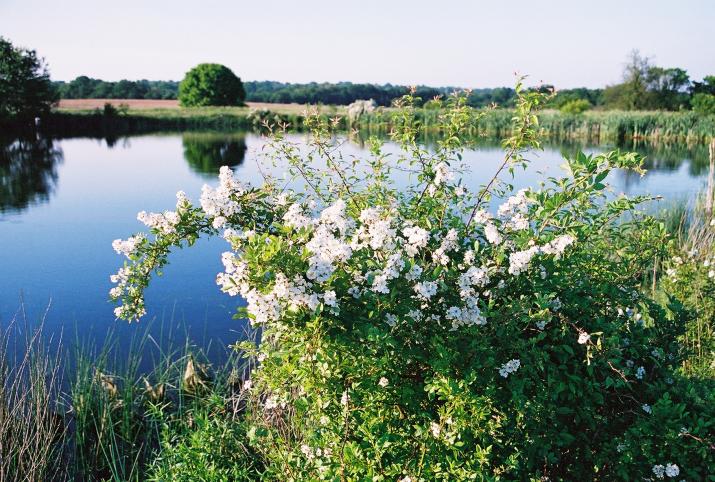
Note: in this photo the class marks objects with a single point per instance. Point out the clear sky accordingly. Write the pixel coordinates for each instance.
(568, 43)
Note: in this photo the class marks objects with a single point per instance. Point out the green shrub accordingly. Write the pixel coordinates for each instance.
(211, 447)
(575, 106)
(211, 84)
(703, 104)
(411, 334)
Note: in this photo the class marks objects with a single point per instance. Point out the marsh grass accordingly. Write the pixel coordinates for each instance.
(118, 409)
(123, 416)
(31, 428)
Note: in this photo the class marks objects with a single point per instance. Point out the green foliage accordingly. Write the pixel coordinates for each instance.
(210, 446)
(703, 104)
(211, 84)
(411, 335)
(575, 106)
(25, 88)
(689, 274)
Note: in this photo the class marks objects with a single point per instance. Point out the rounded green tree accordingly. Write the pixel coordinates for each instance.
(211, 84)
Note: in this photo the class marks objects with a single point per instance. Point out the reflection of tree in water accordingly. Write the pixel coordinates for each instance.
(207, 152)
(28, 171)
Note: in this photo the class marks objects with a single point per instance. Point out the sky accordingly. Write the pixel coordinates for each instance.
(567, 43)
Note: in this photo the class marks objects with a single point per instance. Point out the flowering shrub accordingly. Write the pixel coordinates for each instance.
(414, 333)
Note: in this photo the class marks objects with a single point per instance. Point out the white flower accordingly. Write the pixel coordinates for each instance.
(417, 238)
(270, 403)
(391, 319)
(383, 382)
(640, 373)
(330, 299)
(220, 202)
(711, 273)
(647, 408)
(164, 222)
(583, 338)
(435, 429)
(482, 216)
(442, 174)
(558, 245)
(247, 384)
(620, 447)
(659, 471)
(295, 218)
(672, 470)
(492, 233)
(128, 247)
(541, 324)
(449, 243)
(414, 273)
(344, 399)
(519, 260)
(426, 289)
(509, 367)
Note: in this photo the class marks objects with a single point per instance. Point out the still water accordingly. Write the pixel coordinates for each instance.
(62, 202)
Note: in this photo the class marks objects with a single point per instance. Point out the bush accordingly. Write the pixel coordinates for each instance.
(211, 448)
(410, 334)
(211, 84)
(575, 106)
(703, 104)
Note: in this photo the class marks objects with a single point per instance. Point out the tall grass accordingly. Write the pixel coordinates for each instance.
(120, 410)
(31, 428)
(124, 417)
(591, 126)
(690, 224)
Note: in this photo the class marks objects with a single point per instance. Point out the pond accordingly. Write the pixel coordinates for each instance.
(62, 202)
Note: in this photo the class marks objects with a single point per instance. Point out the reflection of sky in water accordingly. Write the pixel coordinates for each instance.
(60, 248)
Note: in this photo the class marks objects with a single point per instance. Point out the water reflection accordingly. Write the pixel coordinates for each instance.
(28, 171)
(207, 152)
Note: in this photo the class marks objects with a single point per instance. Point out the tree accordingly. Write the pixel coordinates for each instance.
(25, 87)
(631, 94)
(211, 84)
(667, 88)
(703, 103)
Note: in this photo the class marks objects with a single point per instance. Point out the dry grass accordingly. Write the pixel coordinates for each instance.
(156, 104)
(31, 431)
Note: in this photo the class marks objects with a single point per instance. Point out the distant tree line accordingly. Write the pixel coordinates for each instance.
(644, 86)
(84, 87)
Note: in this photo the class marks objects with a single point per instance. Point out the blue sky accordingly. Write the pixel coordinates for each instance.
(446, 42)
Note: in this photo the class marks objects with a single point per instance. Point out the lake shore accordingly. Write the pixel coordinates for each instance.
(132, 115)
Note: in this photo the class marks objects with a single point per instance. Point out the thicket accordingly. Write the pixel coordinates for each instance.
(416, 334)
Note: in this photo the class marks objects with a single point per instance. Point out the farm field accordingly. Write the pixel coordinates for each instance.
(172, 104)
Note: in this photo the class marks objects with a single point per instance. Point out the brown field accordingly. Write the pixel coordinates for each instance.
(150, 104)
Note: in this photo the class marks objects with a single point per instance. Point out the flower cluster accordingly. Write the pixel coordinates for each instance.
(670, 470)
(509, 367)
